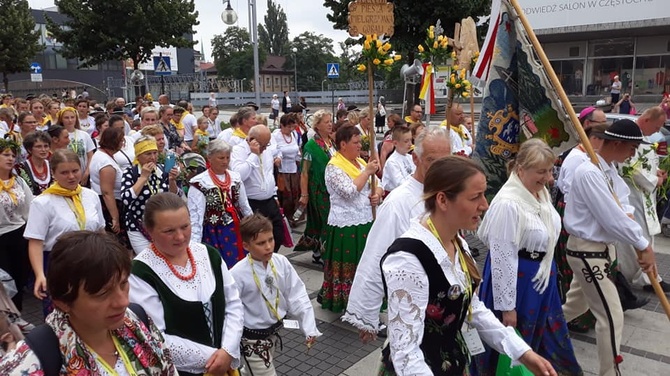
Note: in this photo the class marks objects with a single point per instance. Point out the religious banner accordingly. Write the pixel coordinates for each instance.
(519, 101)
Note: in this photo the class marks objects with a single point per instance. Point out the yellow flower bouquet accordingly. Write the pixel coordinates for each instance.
(377, 52)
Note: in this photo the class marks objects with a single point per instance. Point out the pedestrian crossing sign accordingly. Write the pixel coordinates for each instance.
(333, 70)
(162, 65)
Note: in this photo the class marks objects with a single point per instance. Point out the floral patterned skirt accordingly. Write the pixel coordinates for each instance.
(540, 320)
(318, 207)
(344, 247)
(225, 240)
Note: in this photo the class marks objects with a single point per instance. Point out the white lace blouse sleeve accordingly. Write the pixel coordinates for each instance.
(196, 209)
(234, 320)
(340, 183)
(503, 216)
(503, 339)
(187, 355)
(407, 287)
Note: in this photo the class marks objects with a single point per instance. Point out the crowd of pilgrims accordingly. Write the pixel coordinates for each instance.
(182, 219)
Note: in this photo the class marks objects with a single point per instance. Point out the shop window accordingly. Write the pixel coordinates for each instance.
(603, 73)
(571, 75)
(651, 74)
(612, 47)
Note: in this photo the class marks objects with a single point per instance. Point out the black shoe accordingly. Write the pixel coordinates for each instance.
(664, 285)
(577, 328)
(634, 304)
(317, 260)
(382, 333)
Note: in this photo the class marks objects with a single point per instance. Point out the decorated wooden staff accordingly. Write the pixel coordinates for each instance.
(373, 18)
(577, 125)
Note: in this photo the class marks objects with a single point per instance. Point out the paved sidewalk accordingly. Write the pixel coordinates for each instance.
(645, 347)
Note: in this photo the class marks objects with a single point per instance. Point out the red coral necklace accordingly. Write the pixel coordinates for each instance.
(174, 271)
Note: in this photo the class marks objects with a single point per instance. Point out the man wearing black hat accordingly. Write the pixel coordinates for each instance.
(595, 219)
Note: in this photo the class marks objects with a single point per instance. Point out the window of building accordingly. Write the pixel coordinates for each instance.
(612, 47)
(603, 72)
(651, 74)
(571, 75)
(277, 83)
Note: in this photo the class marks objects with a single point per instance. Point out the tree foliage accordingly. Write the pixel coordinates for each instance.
(273, 36)
(100, 30)
(234, 55)
(313, 53)
(19, 41)
(412, 18)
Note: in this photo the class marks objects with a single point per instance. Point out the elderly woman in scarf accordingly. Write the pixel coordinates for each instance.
(145, 178)
(521, 229)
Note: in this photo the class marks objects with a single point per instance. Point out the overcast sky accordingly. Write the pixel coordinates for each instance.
(303, 15)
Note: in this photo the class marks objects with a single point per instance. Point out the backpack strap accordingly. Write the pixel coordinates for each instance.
(45, 345)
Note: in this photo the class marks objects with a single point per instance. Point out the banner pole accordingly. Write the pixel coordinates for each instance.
(578, 126)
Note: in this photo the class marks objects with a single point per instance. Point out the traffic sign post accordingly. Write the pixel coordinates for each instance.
(162, 68)
(35, 72)
(333, 70)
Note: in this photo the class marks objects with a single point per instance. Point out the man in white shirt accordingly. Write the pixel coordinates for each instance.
(254, 162)
(187, 120)
(246, 119)
(399, 207)
(594, 219)
(461, 139)
(643, 177)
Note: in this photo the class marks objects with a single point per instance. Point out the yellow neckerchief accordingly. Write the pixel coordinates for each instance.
(199, 132)
(461, 132)
(258, 284)
(44, 120)
(124, 358)
(338, 160)
(461, 260)
(76, 206)
(8, 188)
(178, 126)
(409, 120)
(181, 119)
(239, 133)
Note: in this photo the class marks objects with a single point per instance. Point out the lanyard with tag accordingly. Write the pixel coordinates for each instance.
(260, 289)
(461, 260)
(124, 358)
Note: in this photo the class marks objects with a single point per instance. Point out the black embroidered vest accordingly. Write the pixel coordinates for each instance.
(443, 347)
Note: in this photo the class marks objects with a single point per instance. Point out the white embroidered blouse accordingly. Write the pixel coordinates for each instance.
(348, 206)
(406, 277)
(187, 355)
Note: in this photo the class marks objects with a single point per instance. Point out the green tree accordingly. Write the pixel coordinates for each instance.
(273, 36)
(234, 55)
(314, 52)
(100, 30)
(19, 41)
(413, 18)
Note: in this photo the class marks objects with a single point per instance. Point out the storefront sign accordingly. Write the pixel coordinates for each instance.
(547, 14)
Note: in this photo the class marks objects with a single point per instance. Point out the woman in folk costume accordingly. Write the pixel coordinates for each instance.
(350, 217)
(96, 333)
(435, 317)
(217, 202)
(63, 207)
(314, 196)
(521, 229)
(186, 288)
(141, 181)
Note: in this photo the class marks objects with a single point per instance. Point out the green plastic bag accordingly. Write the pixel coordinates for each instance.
(504, 369)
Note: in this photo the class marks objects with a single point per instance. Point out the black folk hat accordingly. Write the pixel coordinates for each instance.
(624, 130)
(252, 105)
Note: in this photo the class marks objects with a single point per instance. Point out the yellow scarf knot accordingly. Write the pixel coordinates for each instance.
(338, 160)
(77, 206)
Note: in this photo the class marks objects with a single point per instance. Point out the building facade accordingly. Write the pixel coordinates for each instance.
(274, 78)
(101, 81)
(590, 41)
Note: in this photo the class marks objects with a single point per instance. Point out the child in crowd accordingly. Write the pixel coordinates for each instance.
(399, 164)
(201, 137)
(270, 289)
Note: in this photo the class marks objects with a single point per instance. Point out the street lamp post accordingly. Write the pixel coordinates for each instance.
(229, 17)
(295, 69)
